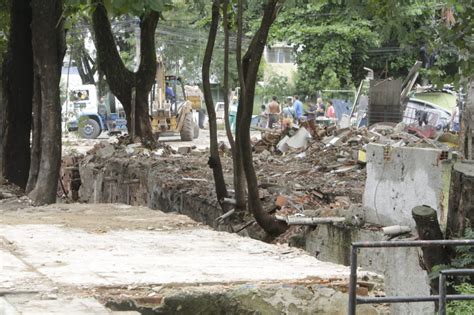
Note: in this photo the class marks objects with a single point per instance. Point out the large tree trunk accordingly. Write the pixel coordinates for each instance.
(36, 135)
(3, 109)
(428, 229)
(214, 159)
(250, 65)
(467, 131)
(121, 80)
(238, 170)
(461, 199)
(239, 176)
(225, 22)
(18, 94)
(48, 40)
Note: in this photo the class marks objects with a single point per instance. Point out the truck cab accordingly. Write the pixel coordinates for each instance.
(90, 116)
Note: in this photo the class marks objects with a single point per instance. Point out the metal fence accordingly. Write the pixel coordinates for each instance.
(411, 116)
(441, 298)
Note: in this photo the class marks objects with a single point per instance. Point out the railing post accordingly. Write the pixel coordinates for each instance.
(442, 293)
(353, 281)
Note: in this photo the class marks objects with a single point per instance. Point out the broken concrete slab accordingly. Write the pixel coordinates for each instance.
(184, 150)
(282, 146)
(300, 139)
(31, 304)
(69, 251)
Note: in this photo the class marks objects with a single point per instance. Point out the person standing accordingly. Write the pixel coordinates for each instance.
(331, 112)
(298, 107)
(288, 111)
(455, 121)
(321, 109)
(263, 117)
(311, 112)
(274, 111)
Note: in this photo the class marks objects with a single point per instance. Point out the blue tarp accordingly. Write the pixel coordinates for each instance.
(342, 107)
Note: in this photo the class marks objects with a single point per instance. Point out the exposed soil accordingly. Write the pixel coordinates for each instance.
(97, 218)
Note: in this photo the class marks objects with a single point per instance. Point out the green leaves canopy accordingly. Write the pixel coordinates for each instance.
(118, 7)
(342, 37)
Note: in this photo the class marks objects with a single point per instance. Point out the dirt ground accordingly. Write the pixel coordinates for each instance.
(73, 144)
(97, 218)
(320, 180)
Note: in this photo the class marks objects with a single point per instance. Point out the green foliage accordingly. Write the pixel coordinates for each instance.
(464, 254)
(330, 79)
(454, 29)
(462, 307)
(4, 27)
(464, 258)
(342, 37)
(135, 7)
(279, 86)
(119, 7)
(324, 42)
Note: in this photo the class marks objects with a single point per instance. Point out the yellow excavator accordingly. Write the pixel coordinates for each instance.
(173, 106)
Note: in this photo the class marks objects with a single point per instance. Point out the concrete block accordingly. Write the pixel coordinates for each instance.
(184, 150)
(399, 266)
(300, 139)
(401, 178)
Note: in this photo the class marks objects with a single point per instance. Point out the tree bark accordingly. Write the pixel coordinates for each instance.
(461, 199)
(36, 135)
(18, 72)
(239, 176)
(2, 128)
(120, 79)
(467, 123)
(250, 65)
(48, 39)
(214, 159)
(225, 22)
(428, 229)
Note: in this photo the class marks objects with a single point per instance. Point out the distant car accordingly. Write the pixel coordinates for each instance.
(427, 112)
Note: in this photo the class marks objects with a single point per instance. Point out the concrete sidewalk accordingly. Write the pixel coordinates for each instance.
(76, 258)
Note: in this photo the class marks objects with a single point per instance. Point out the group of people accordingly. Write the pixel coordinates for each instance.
(273, 112)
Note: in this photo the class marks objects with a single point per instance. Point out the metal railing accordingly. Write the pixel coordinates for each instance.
(442, 297)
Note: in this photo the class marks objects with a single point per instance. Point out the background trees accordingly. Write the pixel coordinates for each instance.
(341, 37)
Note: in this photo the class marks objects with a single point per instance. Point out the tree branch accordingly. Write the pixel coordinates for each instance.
(108, 57)
(148, 25)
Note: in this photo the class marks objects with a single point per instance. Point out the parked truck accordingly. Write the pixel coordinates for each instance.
(91, 116)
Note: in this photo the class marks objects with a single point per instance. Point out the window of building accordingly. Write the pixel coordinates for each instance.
(280, 55)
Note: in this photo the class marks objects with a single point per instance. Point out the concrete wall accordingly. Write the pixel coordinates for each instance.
(400, 267)
(399, 179)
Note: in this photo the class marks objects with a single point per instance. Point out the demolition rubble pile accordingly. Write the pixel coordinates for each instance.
(311, 171)
(323, 168)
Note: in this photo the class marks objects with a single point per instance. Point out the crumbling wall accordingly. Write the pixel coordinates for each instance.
(403, 275)
(333, 243)
(401, 178)
(139, 182)
(283, 298)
